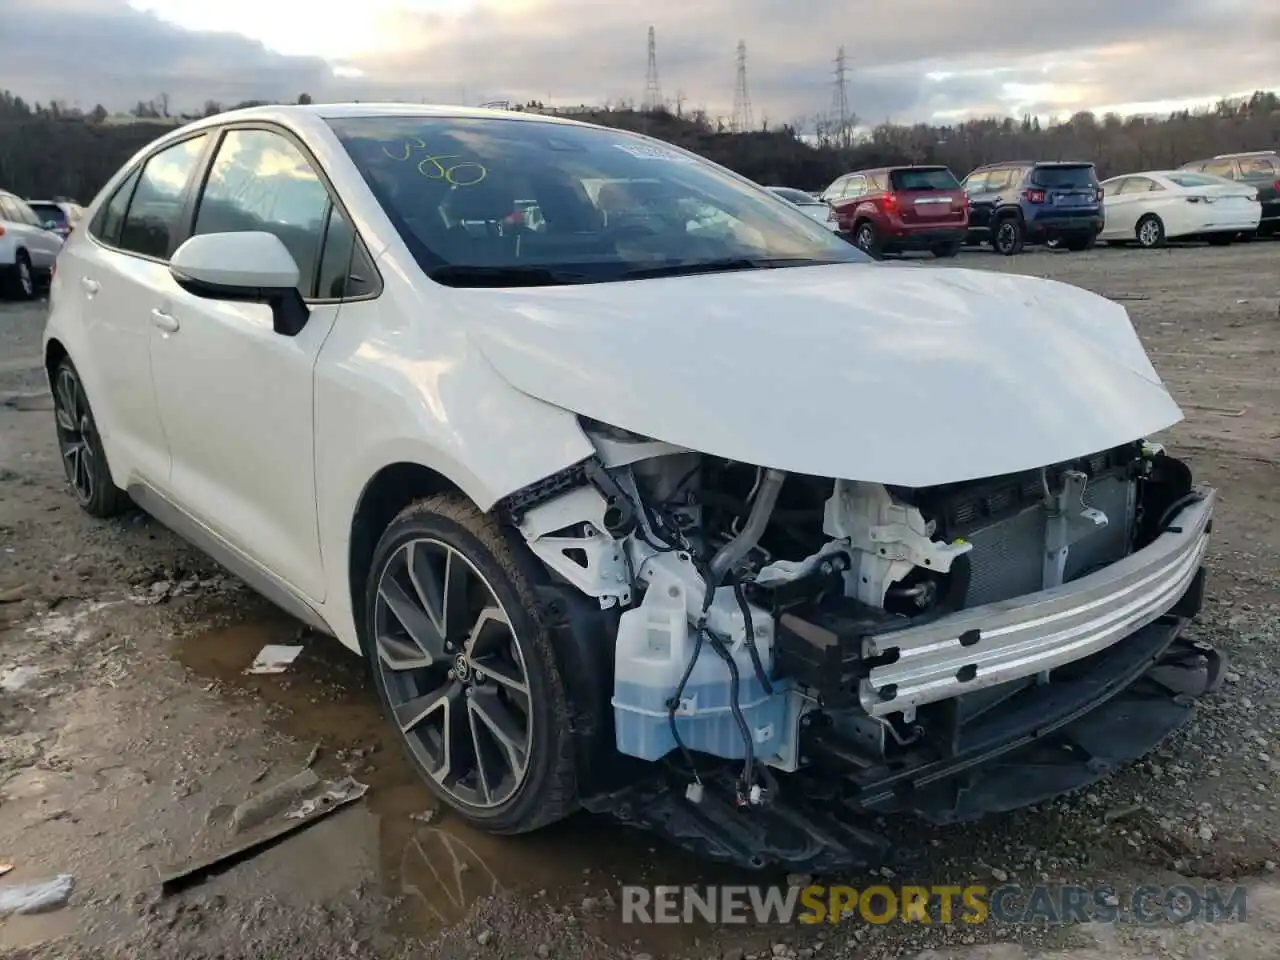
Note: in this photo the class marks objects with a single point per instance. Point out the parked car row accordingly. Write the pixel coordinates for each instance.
(1014, 203)
(29, 243)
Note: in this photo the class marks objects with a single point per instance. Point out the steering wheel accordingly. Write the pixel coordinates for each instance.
(624, 231)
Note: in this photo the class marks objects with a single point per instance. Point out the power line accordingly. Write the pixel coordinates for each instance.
(742, 120)
(652, 89)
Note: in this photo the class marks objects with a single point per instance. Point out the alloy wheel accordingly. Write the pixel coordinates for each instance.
(75, 434)
(1006, 236)
(1149, 233)
(866, 238)
(454, 673)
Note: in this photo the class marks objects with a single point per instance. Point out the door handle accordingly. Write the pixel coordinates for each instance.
(162, 320)
(90, 286)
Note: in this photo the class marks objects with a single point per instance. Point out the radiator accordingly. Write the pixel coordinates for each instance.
(1007, 556)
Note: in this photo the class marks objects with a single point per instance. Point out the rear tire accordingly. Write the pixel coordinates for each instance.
(1150, 232)
(20, 284)
(866, 239)
(1008, 237)
(465, 669)
(944, 251)
(83, 458)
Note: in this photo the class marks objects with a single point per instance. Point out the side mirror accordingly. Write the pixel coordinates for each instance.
(249, 267)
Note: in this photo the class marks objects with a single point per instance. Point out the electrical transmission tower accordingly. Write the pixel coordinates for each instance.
(742, 120)
(652, 89)
(840, 102)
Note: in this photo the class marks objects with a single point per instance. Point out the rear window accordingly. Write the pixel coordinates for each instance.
(49, 211)
(937, 178)
(1196, 180)
(1077, 176)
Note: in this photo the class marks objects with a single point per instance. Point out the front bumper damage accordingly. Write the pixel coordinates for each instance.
(1016, 702)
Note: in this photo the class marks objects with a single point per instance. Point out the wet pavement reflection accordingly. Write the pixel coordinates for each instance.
(437, 865)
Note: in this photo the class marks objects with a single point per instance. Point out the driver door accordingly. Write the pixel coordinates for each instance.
(235, 397)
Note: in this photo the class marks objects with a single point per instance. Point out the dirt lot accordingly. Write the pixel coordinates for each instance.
(128, 729)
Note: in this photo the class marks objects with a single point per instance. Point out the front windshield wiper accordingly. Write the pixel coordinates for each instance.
(723, 266)
(463, 275)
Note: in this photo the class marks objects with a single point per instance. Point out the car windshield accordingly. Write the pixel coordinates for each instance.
(1080, 176)
(935, 178)
(498, 201)
(49, 211)
(796, 196)
(1199, 180)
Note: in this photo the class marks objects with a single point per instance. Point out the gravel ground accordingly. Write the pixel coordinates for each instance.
(128, 730)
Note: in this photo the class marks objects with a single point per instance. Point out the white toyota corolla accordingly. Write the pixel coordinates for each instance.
(639, 490)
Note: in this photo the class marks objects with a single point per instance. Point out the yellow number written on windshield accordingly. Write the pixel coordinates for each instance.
(466, 173)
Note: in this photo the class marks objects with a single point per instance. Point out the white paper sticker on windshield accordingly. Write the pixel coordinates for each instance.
(646, 152)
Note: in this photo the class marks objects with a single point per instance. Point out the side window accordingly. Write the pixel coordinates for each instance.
(857, 187)
(998, 180)
(6, 211)
(837, 189)
(1115, 187)
(151, 223)
(976, 182)
(107, 222)
(345, 267)
(1257, 167)
(1138, 185)
(1221, 168)
(261, 181)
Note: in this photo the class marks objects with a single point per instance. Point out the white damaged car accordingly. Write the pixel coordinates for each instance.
(667, 503)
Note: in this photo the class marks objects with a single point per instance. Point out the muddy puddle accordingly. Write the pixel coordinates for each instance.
(439, 867)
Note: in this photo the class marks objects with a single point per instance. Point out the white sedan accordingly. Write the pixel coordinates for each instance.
(1159, 205)
(815, 207)
(620, 514)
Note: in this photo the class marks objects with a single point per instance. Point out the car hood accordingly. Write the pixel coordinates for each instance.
(909, 377)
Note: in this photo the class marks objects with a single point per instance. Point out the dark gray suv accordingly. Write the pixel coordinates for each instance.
(1259, 169)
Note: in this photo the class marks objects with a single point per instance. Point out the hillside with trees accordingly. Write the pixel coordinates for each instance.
(51, 150)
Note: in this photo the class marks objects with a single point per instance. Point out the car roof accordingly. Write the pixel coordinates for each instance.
(1034, 163)
(340, 111)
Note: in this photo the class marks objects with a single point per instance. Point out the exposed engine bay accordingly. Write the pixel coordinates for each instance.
(875, 642)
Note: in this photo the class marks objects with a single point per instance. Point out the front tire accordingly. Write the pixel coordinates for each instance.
(1008, 237)
(465, 668)
(83, 458)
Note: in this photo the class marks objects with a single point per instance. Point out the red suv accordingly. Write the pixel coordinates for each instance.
(901, 208)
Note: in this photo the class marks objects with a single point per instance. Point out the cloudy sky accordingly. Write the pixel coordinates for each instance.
(908, 59)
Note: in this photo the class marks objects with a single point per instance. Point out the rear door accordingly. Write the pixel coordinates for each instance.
(1069, 188)
(115, 271)
(928, 196)
(981, 199)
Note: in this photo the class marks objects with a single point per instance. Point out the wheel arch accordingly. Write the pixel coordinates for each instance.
(385, 494)
(582, 633)
(54, 354)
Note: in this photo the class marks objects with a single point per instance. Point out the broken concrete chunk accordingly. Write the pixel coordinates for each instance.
(36, 897)
(275, 799)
